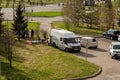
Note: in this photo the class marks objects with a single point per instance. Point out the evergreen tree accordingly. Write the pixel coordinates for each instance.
(20, 23)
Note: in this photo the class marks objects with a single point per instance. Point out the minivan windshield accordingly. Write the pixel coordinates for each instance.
(71, 40)
(116, 46)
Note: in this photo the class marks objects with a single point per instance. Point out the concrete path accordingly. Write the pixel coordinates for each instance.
(45, 22)
(8, 12)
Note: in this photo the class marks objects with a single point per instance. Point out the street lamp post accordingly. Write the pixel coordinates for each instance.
(86, 51)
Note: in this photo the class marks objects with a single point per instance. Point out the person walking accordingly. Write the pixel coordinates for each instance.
(32, 33)
(27, 33)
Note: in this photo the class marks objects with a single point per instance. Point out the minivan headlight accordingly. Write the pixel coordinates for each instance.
(70, 46)
(114, 51)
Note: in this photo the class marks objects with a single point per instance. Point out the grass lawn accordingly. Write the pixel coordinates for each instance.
(42, 62)
(44, 14)
(31, 25)
(80, 30)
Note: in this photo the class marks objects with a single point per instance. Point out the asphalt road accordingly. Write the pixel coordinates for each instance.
(101, 57)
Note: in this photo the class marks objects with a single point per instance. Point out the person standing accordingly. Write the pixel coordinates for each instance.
(27, 33)
(32, 33)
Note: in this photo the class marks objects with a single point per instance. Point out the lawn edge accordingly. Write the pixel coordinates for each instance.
(87, 77)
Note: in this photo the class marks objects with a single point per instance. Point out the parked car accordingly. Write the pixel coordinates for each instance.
(118, 37)
(114, 49)
(112, 34)
(89, 42)
(65, 40)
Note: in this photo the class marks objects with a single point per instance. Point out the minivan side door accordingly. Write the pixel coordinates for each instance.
(61, 44)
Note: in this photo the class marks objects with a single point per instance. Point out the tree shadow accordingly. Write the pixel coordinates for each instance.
(83, 54)
(13, 73)
(18, 58)
(3, 54)
(14, 57)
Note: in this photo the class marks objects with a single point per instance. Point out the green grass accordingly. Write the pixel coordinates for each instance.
(42, 62)
(80, 30)
(31, 25)
(44, 14)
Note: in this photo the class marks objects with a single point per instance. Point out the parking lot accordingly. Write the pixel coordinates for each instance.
(101, 57)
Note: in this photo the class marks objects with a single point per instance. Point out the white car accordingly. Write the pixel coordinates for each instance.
(114, 49)
(89, 42)
(118, 37)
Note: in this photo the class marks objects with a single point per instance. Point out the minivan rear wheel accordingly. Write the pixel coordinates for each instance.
(54, 45)
(95, 47)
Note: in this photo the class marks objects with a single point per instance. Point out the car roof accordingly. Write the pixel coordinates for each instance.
(87, 38)
(115, 43)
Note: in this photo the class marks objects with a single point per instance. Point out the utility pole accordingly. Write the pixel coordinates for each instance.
(86, 52)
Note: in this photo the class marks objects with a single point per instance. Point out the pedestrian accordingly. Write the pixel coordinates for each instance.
(27, 33)
(32, 33)
(58, 4)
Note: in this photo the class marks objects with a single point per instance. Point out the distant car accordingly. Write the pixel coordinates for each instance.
(112, 34)
(114, 49)
(89, 42)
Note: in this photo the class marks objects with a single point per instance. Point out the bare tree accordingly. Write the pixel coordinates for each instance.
(110, 17)
(73, 12)
(8, 40)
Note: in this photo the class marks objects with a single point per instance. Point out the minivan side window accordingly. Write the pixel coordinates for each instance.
(117, 32)
(60, 39)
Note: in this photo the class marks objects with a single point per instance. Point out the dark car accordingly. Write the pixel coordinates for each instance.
(112, 34)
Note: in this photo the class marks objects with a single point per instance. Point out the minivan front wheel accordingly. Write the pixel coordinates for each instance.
(66, 49)
(113, 57)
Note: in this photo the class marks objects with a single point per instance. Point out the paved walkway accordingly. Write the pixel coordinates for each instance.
(45, 23)
(8, 12)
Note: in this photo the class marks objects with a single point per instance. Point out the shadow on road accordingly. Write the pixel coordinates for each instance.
(83, 54)
(100, 50)
(117, 58)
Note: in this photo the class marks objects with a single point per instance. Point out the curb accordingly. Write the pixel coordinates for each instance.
(87, 77)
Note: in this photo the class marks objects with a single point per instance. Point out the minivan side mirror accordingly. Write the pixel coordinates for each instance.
(60, 39)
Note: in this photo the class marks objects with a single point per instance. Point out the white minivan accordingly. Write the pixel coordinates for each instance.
(89, 42)
(65, 40)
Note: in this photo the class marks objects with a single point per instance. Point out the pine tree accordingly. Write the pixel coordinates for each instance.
(20, 23)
